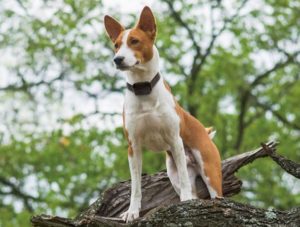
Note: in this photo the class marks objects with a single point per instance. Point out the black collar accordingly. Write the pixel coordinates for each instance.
(143, 88)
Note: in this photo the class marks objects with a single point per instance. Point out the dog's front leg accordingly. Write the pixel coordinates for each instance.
(135, 165)
(180, 162)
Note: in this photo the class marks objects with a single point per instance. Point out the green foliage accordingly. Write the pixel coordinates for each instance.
(66, 172)
(234, 66)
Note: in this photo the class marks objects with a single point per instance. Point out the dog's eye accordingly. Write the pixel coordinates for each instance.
(116, 45)
(134, 41)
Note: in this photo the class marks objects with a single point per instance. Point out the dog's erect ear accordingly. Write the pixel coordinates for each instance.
(147, 22)
(113, 27)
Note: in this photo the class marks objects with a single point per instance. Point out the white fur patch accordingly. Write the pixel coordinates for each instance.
(212, 134)
(124, 51)
(151, 120)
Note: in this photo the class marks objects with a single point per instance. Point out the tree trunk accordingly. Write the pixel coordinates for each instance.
(161, 206)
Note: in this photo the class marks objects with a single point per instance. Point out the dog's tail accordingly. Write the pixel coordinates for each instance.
(211, 132)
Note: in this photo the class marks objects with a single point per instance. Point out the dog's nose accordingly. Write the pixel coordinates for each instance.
(118, 60)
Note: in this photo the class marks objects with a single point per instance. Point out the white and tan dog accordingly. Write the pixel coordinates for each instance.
(152, 118)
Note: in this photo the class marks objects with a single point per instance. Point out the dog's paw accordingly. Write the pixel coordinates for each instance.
(129, 215)
(185, 197)
(219, 197)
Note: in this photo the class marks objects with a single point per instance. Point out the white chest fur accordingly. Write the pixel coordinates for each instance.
(151, 120)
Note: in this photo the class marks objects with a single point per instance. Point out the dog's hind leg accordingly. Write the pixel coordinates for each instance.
(173, 175)
(211, 178)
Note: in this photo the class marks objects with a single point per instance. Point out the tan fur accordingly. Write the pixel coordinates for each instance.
(130, 151)
(195, 135)
(147, 23)
(113, 27)
(143, 49)
(118, 41)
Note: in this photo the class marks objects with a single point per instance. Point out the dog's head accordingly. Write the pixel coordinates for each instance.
(133, 47)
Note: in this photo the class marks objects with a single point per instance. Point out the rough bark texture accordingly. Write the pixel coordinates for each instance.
(289, 166)
(161, 207)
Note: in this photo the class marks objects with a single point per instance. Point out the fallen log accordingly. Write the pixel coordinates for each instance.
(160, 203)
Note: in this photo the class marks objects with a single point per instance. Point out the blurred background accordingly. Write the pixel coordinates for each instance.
(233, 64)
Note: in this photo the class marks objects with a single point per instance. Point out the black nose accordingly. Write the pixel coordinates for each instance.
(118, 60)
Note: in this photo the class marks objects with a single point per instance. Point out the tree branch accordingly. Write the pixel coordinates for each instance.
(289, 166)
(223, 213)
(279, 65)
(15, 190)
(280, 117)
(214, 37)
(181, 22)
(198, 65)
(247, 94)
(161, 206)
(25, 86)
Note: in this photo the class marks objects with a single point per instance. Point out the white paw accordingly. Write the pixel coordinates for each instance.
(129, 215)
(186, 196)
(219, 197)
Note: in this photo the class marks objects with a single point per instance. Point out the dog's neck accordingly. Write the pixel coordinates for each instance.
(146, 71)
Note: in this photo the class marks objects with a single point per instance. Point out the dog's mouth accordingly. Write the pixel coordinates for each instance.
(123, 67)
(127, 67)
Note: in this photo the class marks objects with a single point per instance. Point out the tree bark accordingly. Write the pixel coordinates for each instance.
(289, 166)
(161, 206)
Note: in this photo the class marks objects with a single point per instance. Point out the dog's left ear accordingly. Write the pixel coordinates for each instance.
(147, 23)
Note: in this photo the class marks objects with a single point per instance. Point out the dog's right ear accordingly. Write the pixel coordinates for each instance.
(113, 27)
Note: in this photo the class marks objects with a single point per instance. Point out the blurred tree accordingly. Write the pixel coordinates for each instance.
(244, 72)
(61, 144)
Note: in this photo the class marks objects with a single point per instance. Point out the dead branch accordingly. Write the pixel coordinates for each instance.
(161, 206)
(289, 166)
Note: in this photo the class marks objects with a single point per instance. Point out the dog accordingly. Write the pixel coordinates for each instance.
(153, 119)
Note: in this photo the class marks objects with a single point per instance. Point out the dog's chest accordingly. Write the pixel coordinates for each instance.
(151, 121)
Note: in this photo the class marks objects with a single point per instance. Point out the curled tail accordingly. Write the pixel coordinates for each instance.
(211, 132)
